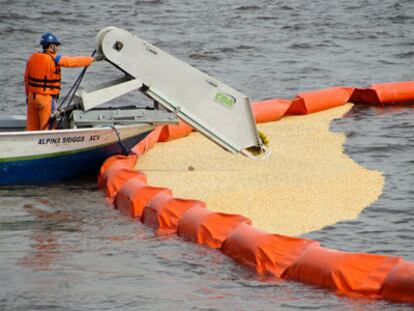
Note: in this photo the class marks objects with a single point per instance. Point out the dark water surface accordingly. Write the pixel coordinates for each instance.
(63, 248)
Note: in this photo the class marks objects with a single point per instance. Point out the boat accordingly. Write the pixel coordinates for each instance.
(87, 134)
(40, 157)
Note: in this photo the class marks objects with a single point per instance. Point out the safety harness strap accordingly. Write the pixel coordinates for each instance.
(43, 80)
(44, 86)
(57, 59)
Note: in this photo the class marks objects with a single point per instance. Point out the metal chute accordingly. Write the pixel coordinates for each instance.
(215, 109)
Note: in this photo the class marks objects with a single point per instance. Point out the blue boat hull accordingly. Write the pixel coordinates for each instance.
(51, 169)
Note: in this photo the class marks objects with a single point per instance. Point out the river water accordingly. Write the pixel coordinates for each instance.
(62, 247)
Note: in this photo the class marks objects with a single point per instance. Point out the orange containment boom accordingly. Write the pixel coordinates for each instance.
(209, 228)
(164, 212)
(393, 93)
(291, 258)
(262, 251)
(347, 273)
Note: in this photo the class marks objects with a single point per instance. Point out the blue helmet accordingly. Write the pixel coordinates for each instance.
(49, 38)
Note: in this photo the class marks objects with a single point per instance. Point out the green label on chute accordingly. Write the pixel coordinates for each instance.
(225, 99)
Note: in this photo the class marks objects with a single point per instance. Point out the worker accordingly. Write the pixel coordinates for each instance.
(42, 81)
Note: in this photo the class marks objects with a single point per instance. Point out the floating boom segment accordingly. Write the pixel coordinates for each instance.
(213, 108)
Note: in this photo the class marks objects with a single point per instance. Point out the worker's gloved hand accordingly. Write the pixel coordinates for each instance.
(99, 57)
(56, 114)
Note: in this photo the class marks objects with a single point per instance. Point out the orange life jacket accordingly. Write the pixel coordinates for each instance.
(43, 74)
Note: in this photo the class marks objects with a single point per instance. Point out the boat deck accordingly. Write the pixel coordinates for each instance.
(12, 123)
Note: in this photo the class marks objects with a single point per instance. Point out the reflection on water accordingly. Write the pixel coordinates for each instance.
(47, 225)
(45, 250)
